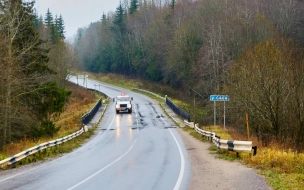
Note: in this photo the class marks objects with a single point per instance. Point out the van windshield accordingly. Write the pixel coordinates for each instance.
(122, 99)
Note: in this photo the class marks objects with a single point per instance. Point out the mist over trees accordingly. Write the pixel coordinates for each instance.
(32, 72)
(251, 50)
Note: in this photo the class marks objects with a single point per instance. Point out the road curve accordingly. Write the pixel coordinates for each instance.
(142, 150)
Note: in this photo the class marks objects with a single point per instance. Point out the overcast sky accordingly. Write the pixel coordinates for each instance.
(76, 13)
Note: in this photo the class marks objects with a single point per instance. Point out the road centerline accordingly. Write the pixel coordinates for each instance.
(107, 166)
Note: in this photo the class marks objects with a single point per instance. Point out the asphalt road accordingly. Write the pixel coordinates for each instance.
(142, 150)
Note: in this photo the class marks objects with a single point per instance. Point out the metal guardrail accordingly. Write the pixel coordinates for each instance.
(178, 110)
(205, 133)
(190, 124)
(173, 107)
(89, 116)
(85, 119)
(231, 145)
(33, 150)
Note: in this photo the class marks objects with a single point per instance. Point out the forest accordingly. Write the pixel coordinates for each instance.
(34, 61)
(251, 50)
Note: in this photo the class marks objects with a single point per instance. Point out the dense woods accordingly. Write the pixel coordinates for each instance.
(251, 50)
(33, 61)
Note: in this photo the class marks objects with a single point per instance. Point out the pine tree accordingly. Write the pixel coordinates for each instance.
(54, 26)
(172, 4)
(119, 19)
(54, 33)
(49, 20)
(103, 18)
(133, 6)
(121, 58)
(60, 26)
(23, 105)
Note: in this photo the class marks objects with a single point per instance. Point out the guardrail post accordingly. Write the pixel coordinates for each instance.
(255, 150)
(85, 128)
(212, 136)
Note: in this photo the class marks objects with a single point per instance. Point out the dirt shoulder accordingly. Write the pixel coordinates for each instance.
(209, 172)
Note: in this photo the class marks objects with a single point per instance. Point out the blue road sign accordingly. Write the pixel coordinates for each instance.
(219, 98)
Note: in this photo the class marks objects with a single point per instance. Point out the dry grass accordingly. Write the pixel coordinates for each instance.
(79, 103)
(283, 169)
(118, 80)
(219, 131)
(283, 161)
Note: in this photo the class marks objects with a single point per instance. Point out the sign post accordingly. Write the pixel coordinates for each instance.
(97, 85)
(247, 126)
(222, 98)
(85, 79)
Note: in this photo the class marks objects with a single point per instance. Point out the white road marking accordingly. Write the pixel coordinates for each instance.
(182, 168)
(119, 158)
(19, 174)
(111, 123)
(43, 164)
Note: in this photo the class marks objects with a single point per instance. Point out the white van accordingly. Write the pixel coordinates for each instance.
(123, 103)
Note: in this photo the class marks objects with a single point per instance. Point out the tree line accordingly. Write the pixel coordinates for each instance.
(251, 50)
(34, 62)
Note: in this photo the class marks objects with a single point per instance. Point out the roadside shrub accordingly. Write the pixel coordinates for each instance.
(46, 129)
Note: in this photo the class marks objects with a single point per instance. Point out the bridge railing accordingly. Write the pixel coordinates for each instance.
(173, 107)
(89, 116)
(177, 110)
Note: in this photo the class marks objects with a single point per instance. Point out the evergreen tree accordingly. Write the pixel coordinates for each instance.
(172, 4)
(119, 20)
(133, 6)
(25, 63)
(55, 27)
(54, 34)
(40, 23)
(48, 20)
(36, 22)
(60, 26)
(121, 63)
(103, 18)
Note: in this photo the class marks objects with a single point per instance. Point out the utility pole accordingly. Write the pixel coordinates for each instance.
(194, 108)
(247, 123)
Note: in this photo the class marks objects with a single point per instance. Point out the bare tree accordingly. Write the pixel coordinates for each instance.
(24, 63)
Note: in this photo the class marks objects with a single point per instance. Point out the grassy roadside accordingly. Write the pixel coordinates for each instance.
(283, 169)
(79, 103)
